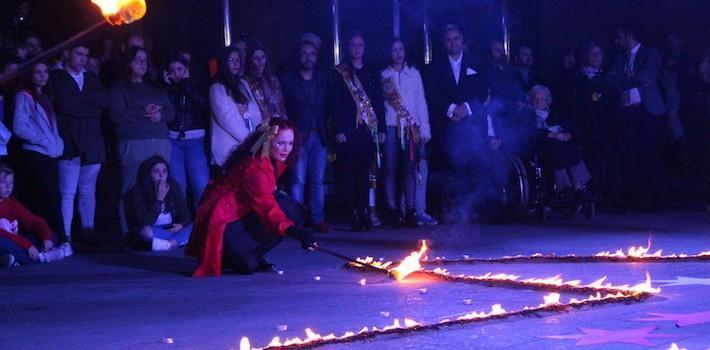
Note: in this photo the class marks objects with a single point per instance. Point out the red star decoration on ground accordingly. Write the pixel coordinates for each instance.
(638, 336)
(682, 320)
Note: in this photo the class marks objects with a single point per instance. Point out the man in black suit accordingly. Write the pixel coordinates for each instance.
(457, 90)
(635, 77)
(304, 91)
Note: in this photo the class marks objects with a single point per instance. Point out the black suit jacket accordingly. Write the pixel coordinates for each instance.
(457, 140)
(300, 109)
(79, 115)
(647, 70)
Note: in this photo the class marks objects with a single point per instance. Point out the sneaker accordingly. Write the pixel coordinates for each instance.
(426, 219)
(66, 249)
(323, 227)
(7, 260)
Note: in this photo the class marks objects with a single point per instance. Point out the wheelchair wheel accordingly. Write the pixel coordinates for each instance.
(517, 191)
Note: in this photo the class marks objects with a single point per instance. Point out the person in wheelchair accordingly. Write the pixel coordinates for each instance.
(554, 142)
(242, 215)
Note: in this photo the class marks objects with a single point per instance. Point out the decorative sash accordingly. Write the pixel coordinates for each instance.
(365, 112)
(407, 128)
(256, 85)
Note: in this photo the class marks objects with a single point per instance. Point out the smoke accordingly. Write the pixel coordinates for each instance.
(475, 183)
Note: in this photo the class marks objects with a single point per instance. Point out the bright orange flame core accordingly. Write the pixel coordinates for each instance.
(409, 264)
(119, 12)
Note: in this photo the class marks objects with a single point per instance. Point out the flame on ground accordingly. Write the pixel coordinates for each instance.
(409, 264)
(119, 12)
(551, 303)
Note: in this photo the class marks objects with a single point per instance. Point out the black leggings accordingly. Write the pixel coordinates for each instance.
(247, 240)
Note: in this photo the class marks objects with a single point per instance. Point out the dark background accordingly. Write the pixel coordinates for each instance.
(547, 25)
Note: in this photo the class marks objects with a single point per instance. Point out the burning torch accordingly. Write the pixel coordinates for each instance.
(115, 12)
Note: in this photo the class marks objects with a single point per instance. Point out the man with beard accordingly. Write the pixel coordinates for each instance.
(304, 91)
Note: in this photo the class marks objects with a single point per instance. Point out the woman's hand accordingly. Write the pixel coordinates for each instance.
(174, 228)
(152, 112)
(161, 190)
(340, 138)
(564, 136)
(33, 253)
(47, 244)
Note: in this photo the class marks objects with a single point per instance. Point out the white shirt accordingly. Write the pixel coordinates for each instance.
(79, 79)
(632, 57)
(456, 67)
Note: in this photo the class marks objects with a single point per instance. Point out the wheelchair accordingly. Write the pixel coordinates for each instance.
(530, 190)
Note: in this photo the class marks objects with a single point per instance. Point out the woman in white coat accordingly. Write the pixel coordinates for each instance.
(235, 114)
(407, 119)
(35, 122)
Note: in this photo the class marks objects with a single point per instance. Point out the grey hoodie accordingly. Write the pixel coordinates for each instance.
(30, 123)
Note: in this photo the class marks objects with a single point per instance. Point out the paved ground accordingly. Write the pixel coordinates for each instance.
(105, 300)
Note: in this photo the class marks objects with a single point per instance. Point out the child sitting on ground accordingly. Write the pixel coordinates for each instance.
(159, 218)
(16, 220)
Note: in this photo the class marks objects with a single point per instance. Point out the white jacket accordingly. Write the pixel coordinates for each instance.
(410, 87)
(229, 127)
(30, 123)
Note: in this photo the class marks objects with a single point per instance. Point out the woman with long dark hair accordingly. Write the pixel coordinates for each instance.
(188, 160)
(357, 113)
(234, 113)
(159, 218)
(263, 86)
(35, 123)
(242, 215)
(140, 111)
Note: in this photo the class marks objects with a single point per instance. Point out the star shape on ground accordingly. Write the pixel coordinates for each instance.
(682, 320)
(591, 336)
(685, 281)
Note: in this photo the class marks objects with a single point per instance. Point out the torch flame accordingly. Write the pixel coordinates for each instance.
(409, 264)
(119, 12)
(244, 344)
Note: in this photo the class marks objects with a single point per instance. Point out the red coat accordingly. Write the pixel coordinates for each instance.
(246, 188)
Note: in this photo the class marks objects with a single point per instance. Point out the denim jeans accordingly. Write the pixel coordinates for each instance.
(22, 256)
(399, 171)
(188, 162)
(420, 196)
(310, 169)
(75, 177)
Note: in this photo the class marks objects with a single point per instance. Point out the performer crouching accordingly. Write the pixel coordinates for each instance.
(242, 215)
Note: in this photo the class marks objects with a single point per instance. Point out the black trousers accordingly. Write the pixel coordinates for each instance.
(39, 189)
(247, 239)
(643, 138)
(354, 160)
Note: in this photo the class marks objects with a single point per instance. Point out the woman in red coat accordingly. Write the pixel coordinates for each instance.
(242, 215)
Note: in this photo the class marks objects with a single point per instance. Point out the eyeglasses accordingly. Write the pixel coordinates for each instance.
(234, 60)
(138, 61)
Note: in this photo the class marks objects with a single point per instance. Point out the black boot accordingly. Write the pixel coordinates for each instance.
(356, 221)
(394, 218)
(365, 220)
(410, 218)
